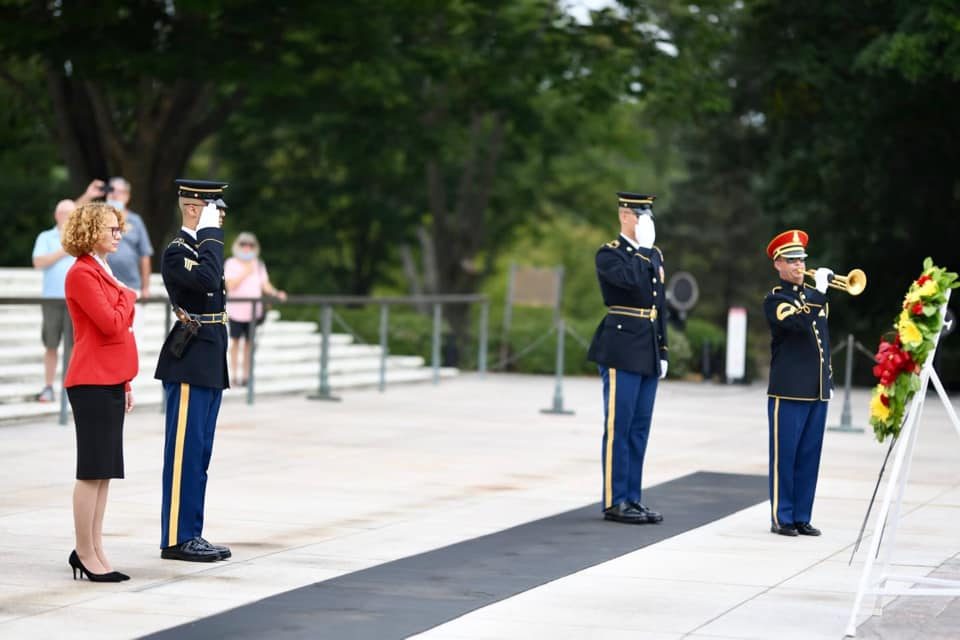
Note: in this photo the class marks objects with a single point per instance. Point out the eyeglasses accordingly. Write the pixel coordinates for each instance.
(115, 231)
(246, 244)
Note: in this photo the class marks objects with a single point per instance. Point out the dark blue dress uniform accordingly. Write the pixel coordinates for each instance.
(193, 383)
(628, 346)
(801, 381)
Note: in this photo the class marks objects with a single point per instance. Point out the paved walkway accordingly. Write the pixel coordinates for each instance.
(305, 492)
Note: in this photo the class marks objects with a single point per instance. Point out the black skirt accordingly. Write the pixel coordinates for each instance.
(98, 412)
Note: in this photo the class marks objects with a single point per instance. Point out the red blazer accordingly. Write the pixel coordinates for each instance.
(104, 350)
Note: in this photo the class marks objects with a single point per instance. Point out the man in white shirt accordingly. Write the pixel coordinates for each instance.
(48, 254)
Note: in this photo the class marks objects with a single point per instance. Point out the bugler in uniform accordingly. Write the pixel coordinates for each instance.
(193, 368)
(801, 383)
(630, 349)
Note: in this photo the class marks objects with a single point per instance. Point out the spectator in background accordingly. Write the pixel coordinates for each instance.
(246, 277)
(48, 254)
(131, 261)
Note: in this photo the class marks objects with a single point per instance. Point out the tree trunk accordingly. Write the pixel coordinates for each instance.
(457, 239)
(149, 148)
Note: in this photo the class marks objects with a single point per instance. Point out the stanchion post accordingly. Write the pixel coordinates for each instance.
(482, 339)
(384, 320)
(326, 324)
(435, 355)
(254, 308)
(846, 425)
(67, 348)
(558, 384)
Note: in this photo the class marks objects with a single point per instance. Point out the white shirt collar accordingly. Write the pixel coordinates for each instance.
(102, 263)
(633, 243)
(190, 232)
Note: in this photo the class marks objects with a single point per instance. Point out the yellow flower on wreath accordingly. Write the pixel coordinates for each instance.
(909, 333)
(928, 288)
(879, 410)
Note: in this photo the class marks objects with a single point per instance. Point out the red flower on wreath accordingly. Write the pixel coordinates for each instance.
(917, 308)
(922, 279)
(891, 359)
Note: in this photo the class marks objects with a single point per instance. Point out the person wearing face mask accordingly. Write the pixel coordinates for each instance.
(246, 277)
(801, 383)
(630, 349)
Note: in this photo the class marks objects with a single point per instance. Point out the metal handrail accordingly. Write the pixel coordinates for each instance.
(326, 304)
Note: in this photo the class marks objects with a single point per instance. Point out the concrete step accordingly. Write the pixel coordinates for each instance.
(31, 369)
(306, 345)
(27, 322)
(268, 375)
(287, 356)
(151, 394)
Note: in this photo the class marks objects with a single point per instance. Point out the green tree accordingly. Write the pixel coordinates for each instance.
(135, 88)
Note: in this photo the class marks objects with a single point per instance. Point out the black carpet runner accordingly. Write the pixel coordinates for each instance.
(410, 595)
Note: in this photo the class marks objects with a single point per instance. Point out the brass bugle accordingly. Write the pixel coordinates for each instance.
(853, 283)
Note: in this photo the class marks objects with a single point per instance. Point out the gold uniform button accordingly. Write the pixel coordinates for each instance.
(619, 326)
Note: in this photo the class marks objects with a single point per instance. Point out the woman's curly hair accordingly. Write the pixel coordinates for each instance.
(85, 225)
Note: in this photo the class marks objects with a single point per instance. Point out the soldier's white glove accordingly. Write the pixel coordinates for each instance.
(663, 369)
(209, 217)
(822, 278)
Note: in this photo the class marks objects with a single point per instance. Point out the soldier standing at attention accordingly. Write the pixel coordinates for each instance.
(801, 383)
(193, 368)
(630, 349)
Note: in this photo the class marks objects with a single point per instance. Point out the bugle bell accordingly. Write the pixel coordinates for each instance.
(853, 283)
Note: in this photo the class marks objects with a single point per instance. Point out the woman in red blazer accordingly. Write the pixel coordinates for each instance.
(103, 363)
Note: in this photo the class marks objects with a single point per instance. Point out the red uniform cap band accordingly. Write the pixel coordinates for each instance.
(789, 244)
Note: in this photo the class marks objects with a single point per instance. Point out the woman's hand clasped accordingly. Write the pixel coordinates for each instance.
(128, 401)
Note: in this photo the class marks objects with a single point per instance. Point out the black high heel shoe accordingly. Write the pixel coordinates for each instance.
(113, 576)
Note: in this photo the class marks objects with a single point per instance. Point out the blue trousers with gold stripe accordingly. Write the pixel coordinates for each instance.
(628, 408)
(191, 417)
(796, 439)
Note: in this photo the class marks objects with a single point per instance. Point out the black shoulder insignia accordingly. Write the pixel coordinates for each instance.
(659, 252)
(613, 244)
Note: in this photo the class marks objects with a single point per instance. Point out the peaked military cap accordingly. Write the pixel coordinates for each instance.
(789, 244)
(208, 190)
(636, 201)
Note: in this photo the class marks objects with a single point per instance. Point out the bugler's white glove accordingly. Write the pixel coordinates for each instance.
(663, 369)
(822, 278)
(209, 217)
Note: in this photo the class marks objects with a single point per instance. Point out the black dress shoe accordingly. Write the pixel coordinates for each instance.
(193, 550)
(653, 517)
(219, 548)
(784, 530)
(807, 529)
(623, 512)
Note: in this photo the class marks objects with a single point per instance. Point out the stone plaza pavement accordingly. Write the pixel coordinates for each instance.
(304, 491)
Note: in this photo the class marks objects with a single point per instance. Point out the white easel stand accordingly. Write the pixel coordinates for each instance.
(898, 476)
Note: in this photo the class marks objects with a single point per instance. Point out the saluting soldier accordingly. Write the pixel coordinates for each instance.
(193, 368)
(630, 349)
(801, 383)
